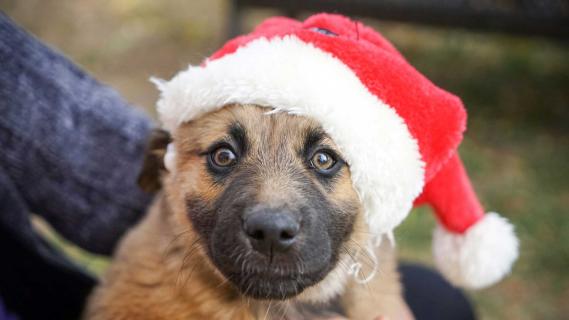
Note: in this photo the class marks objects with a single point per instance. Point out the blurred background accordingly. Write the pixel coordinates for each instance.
(515, 86)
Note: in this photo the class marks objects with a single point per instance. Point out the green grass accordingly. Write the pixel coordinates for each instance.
(92, 263)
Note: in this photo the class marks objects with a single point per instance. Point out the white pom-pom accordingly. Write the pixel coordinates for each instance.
(481, 256)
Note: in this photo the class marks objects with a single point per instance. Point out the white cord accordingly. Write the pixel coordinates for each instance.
(355, 269)
(170, 157)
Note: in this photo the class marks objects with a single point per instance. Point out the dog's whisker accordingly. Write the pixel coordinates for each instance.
(268, 310)
(361, 262)
(244, 263)
(343, 265)
(222, 283)
(181, 269)
(282, 307)
(365, 232)
(349, 254)
(169, 246)
(191, 273)
(189, 253)
(250, 285)
(364, 253)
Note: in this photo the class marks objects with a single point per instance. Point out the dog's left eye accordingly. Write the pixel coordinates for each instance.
(323, 161)
(223, 157)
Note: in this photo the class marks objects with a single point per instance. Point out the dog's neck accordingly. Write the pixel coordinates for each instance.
(295, 310)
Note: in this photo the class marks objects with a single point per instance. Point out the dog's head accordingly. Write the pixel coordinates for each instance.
(270, 198)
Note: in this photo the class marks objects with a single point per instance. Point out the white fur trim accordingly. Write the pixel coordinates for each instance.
(481, 256)
(287, 74)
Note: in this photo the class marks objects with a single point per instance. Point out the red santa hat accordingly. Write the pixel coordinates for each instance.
(397, 130)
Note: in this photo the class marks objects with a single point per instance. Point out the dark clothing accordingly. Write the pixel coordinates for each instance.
(71, 146)
(36, 281)
(431, 297)
(70, 151)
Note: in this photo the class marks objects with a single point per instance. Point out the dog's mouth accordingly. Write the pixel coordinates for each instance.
(274, 284)
(280, 278)
(271, 255)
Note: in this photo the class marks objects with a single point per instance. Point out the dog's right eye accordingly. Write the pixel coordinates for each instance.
(223, 158)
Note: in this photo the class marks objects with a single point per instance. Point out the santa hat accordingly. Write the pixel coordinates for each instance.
(398, 132)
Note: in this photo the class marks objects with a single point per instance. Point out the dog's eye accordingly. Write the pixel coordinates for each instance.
(323, 161)
(223, 157)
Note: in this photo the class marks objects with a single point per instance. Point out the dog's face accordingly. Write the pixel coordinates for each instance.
(269, 197)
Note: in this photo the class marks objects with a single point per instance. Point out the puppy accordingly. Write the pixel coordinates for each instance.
(256, 219)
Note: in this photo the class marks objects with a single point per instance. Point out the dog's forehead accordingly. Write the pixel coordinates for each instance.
(262, 126)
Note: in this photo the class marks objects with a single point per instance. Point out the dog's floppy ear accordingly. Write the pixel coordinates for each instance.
(153, 167)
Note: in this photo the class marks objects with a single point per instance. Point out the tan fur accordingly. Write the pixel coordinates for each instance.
(160, 270)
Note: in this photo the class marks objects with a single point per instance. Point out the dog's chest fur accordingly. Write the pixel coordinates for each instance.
(186, 288)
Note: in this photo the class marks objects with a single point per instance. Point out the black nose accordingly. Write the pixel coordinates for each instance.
(270, 230)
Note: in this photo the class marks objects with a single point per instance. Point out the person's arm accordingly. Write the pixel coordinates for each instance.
(72, 146)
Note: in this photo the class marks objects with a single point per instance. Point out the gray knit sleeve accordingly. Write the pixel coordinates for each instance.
(72, 146)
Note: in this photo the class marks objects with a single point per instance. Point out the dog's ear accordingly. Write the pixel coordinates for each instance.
(149, 178)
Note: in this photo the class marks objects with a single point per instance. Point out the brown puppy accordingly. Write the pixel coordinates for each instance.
(259, 219)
